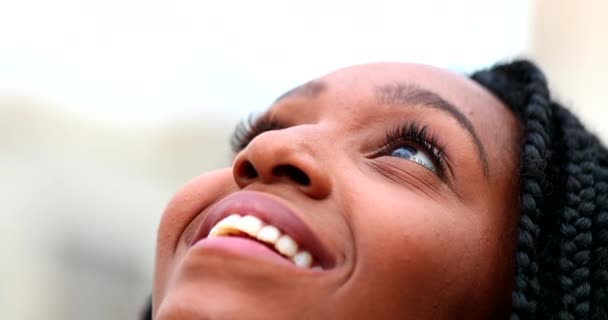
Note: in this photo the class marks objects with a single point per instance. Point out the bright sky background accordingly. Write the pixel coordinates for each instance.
(136, 60)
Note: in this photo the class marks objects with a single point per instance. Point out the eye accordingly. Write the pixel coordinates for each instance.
(250, 128)
(416, 155)
(414, 142)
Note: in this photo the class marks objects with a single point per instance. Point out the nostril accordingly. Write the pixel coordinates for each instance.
(292, 173)
(248, 171)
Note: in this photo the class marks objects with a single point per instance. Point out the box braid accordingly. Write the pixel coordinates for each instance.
(561, 258)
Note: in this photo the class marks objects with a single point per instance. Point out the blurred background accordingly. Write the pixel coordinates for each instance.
(107, 107)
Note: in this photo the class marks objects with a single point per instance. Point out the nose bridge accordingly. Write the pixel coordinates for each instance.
(291, 156)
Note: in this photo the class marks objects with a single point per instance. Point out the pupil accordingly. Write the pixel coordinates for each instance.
(405, 152)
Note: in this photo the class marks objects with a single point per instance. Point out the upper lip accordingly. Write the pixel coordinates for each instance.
(271, 211)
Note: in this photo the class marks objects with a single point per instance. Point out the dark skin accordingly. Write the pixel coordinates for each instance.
(410, 240)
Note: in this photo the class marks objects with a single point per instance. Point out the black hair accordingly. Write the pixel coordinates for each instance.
(146, 312)
(561, 260)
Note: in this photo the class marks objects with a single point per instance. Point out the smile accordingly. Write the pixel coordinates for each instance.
(252, 222)
(267, 234)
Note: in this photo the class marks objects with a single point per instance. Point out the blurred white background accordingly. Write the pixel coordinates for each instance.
(107, 107)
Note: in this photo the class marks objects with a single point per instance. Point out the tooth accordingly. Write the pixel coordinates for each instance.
(250, 225)
(269, 234)
(215, 231)
(302, 259)
(286, 246)
(317, 268)
(225, 226)
(229, 220)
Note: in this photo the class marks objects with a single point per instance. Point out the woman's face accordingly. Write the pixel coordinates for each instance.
(400, 180)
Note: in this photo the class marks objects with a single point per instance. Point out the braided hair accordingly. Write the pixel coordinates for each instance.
(562, 243)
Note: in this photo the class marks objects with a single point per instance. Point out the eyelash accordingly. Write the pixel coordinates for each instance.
(413, 132)
(250, 128)
(408, 133)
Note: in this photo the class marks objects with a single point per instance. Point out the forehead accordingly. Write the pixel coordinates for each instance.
(339, 92)
(357, 82)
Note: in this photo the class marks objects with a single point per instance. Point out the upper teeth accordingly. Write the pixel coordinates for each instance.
(255, 228)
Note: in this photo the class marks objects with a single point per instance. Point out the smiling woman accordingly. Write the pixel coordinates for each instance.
(396, 191)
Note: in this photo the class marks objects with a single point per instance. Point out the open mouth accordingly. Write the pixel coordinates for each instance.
(259, 223)
(254, 229)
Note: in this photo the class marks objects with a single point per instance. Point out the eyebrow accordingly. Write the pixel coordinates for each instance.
(411, 95)
(309, 90)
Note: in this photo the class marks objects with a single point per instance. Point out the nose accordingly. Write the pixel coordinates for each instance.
(286, 156)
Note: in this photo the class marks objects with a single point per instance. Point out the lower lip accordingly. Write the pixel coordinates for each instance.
(242, 247)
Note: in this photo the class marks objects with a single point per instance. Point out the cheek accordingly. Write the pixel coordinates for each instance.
(424, 256)
(176, 222)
